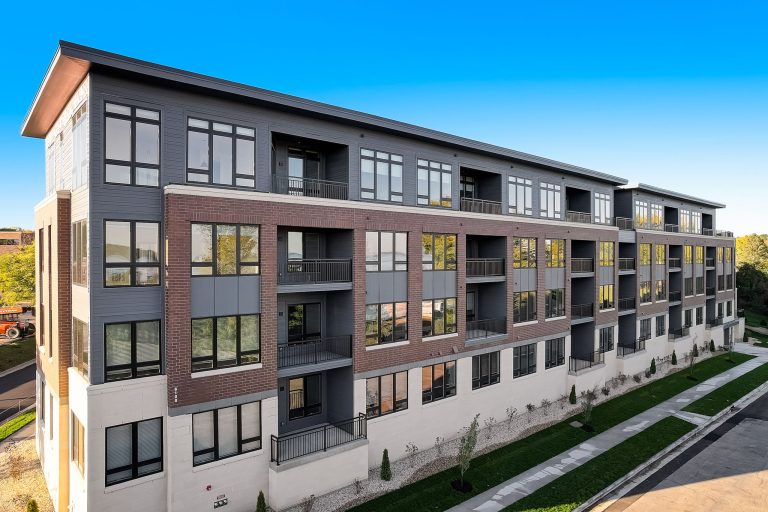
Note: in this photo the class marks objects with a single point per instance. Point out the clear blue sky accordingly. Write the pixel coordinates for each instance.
(673, 94)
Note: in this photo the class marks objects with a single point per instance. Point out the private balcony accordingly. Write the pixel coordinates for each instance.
(582, 265)
(627, 304)
(309, 187)
(584, 362)
(480, 206)
(318, 439)
(674, 264)
(317, 271)
(582, 311)
(671, 228)
(630, 349)
(485, 267)
(480, 191)
(580, 217)
(626, 264)
(314, 351)
(480, 329)
(674, 296)
(682, 332)
(624, 223)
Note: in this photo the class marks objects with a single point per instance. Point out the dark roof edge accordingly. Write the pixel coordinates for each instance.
(131, 65)
(670, 193)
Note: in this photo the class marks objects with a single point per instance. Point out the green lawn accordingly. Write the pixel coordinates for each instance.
(723, 397)
(17, 352)
(435, 493)
(11, 427)
(763, 339)
(577, 486)
(754, 318)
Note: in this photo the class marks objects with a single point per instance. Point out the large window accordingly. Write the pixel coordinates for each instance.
(524, 253)
(381, 176)
(661, 254)
(661, 289)
(554, 253)
(485, 370)
(524, 360)
(80, 252)
(226, 432)
(134, 450)
(641, 214)
(80, 341)
(220, 153)
(688, 318)
(602, 208)
(554, 353)
(605, 297)
(645, 329)
(520, 196)
(645, 254)
(131, 145)
(435, 182)
(550, 200)
(305, 396)
(699, 285)
(225, 341)
(699, 254)
(645, 292)
(77, 434)
(131, 253)
(661, 325)
(524, 306)
(386, 251)
(720, 254)
(224, 249)
(657, 217)
(438, 381)
(688, 286)
(438, 251)
(386, 323)
(728, 253)
(438, 316)
(79, 148)
(606, 339)
(554, 303)
(606, 254)
(132, 350)
(386, 394)
(699, 315)
(688, 254)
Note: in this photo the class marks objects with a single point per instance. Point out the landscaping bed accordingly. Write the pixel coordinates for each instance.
(21, 478)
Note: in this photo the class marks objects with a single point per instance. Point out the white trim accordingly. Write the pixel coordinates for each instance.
(440, 337)
(531, 322)
(225, 371)
(228, 460)
(554, 318)
(388, 345)
(136, 481)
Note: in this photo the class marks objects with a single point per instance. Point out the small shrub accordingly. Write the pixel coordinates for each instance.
(545, 405)
(32, 506)
(511, 411)
(606, 390)
(439, 441)
(489, 423)
(711, 345)
(587, 401)
(562, 401)
(653, 366)
(411, 449)
(467, 445)
(358, 488)
(622, 378)
(308, 503)
(637, 378)
(647, 374)
(615, 383)
(572, 396)
(695, 350)
(674, 358)
(386, 471)
(530, 408)
(261, 503)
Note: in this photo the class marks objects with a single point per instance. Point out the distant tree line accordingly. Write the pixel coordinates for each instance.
(752, 272)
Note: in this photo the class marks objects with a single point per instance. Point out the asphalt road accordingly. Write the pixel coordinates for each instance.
(20, 384)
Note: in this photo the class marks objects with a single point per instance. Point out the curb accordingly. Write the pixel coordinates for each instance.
(16, 368)
(697, 432)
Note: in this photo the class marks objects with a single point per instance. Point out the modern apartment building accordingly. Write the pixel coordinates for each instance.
(243, 291)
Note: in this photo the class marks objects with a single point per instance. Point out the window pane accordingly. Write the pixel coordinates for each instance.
(401, 251)
(147, 341)
(372, 324)
(372, 397)
(147, 242)
(426, 318)
(225, 250)
(387, 317)
(202, 243)
(118, 276)
(119, 451)
(249, 337)
(147, 143)
(372, 251)
(147, 177)
(250, 421)
(245, 157)
(202, 342)
(147, 276)
(438, 320)
(366, 174)
(401, 390)
(227, 434)
(222, 160)
(118, 139)
(249, 244)
(382, 181)
(118, 109)
(397, 178)
(118, 174)
(150, 442)
(197, 150)
(387, 251)
(226, 341)
(202, 436)
(118, 346)
(118, 242)
(387, 394)
(439, 252)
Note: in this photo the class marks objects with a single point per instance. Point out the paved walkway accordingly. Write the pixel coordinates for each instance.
(759, 330)
(539, 476)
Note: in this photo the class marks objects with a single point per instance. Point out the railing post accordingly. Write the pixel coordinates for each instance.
(325, 436)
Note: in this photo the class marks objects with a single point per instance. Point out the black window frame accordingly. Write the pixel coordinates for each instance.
(134, 365)
(374, 410)
(645, 328)
(133, 164)
(213, 264)
(660, 289)
(398, 334)
(529, 352)
(240, 440)
(394, 197)
(234, 135)
(606, 339)
(308, 409)
(447, 389)
(448, 328)
(554, 303)
(519, 248)
(426, 165)
(646, 297)
(135, 464)
(688, 317)
(132, 265)
(531, 298)
(699, 315)
(80, 252)
(397, 265)
(661, 321)
(606, 296)
(81, 348)
(239, 354)
(607, 251)
(554, 253)
(554, 352)
(448, 264)
(478, 379)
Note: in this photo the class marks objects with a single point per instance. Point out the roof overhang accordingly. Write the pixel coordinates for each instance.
(643, 187)
(72, 63)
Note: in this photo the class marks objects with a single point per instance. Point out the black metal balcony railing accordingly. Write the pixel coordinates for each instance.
(624, 223)
(582, 265)
(710, 291)
(486, 328)
(627, 304)
(679, 333)
(577, 363)
(485, 267)
(671, 228)
(626, 263)
(480, 206)
(674, 262)
(307, 187)
(739, 313)
(674, 296)
(582, 217)
(714, 322)
(710, 262)
(318, 439)
(582, 311)
(708, 231)
(726, 234)
(298, 353)
(315, 271)
(626, 350)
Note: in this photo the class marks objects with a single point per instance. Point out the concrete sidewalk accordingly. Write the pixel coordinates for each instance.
(539, 476)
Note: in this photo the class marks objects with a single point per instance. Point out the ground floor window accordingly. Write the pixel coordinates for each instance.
(524, 360)
(554, 353)
(134, 450)
(222, 433)
(485, 370)
(386, 394)
(304, 396)
(438, 381)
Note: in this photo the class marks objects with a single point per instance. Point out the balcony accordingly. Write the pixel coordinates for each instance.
(627, 304)
(682, 332)
(308, 187)
(726, 234)
(582, 265)
(710, 262)
(628, 350)
(318, 439)
(671, 228)
(309, 352)
(707, 231)
(485, 267)
(624, 223)
(674, 263)
(674, 296)
(718, 320)
(579, 363)
(581, 217)
(710, 291)
(298, 272)
(582, 311)
(626, 264)
(479, 329)
(480, 206)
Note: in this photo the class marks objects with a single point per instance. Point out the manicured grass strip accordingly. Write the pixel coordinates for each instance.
(577, 486)
(435, 493)
(755, 318)
(16, 352)
(11, 427)
(762, 338)
(722, 398)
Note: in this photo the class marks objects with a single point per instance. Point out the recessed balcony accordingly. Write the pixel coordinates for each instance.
(314, 351)
(318, 439)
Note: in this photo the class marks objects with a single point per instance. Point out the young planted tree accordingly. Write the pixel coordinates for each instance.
(467, 445)
(386, 471)
(572, 396)
(694, 354)
(711, 345)
(674, 358)
(653, 366)
(32, 506)
(587, 403)
(261, 503)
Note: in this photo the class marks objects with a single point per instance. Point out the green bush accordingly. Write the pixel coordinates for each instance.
(32, 506)
(386, 471)
(674, 358)
(695, 350)
(711, 345)
(261, 504)
(653, 366)
(572, 396)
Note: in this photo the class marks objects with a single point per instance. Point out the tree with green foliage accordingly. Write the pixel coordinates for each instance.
(653, 366)
(572, 396)
(386, 471)
(467, 445)
(261, 503)
(32, 506)
(17, 276)
(674, 358)
(711, 345)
